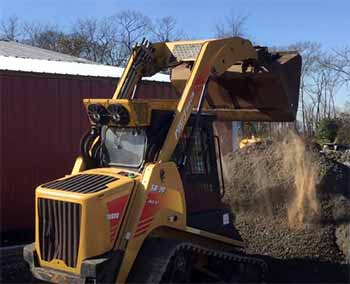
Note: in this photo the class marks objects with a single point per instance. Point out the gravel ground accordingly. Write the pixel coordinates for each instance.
(339, 156)
(261, 190)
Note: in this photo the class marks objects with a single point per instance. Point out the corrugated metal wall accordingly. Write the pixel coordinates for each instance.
(41, 121)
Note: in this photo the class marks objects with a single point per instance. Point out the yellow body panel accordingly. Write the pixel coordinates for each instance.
(93, 216)
(157, 198)
(159, 201)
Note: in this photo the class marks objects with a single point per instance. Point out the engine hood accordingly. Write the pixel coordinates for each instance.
(82, 212)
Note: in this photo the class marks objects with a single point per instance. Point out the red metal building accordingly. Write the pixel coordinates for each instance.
(42, 120)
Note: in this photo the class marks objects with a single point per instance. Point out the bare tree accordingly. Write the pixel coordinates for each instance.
(95, 38)
(10, 28)
(87, 39)
(318, 89)
(341, 63)
(108, 40)
(324, 84)
(310, 53)
(73, 44)
(165, 29)
(42, 35)
(319, 85)
(132, 26)
(51, 37)
(87, 30)
(309, 117)
(233, 25)
(333, 82)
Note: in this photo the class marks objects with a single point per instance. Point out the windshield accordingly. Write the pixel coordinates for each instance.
(125, 146)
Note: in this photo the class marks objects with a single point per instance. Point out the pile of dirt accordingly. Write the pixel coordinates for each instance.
(291, 201)
(345, 158)
(340, 156)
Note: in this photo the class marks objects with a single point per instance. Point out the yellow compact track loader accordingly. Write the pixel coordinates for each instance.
(143, 202)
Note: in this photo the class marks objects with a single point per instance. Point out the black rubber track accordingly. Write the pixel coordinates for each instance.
(156, 254)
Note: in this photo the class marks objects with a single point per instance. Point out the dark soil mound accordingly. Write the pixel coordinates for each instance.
(262, 189)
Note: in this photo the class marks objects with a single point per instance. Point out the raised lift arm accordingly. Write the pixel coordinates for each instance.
(244, 82)
(213, 59)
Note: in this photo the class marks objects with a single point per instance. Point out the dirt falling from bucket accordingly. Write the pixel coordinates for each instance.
(275, 178)
(303, 205)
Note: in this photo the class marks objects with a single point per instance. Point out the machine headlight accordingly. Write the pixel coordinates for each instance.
(119, 114)
(98, 114)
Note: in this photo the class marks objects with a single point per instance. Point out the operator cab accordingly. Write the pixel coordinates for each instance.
(202, 177)
(196, 155)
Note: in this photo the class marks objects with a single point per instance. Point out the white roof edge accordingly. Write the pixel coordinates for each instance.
(10, 63)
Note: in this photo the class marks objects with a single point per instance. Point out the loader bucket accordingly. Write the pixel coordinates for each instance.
(272, 94)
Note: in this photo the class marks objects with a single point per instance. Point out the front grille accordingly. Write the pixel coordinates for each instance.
(83, 183)
(59, 230)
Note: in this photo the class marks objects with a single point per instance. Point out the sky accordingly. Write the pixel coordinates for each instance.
(269, 22)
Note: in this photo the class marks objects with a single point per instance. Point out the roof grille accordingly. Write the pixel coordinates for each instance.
(187, 51)
(83, 183)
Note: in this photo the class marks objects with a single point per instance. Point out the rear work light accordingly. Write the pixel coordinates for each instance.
(119, 114)
(98, 114)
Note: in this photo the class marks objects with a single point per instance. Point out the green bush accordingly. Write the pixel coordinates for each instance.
(343, 135)
(327, 130)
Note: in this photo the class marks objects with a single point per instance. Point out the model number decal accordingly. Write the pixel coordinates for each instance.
(113, 216)
(152, 202)
(158, 188)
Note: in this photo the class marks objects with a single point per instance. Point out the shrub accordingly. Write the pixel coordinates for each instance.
(327, 130)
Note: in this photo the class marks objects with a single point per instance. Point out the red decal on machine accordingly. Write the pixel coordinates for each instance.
(115, 213)
(202, 77)
(140, 233)
(152, 205)
(196, 90)
(200, 81)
